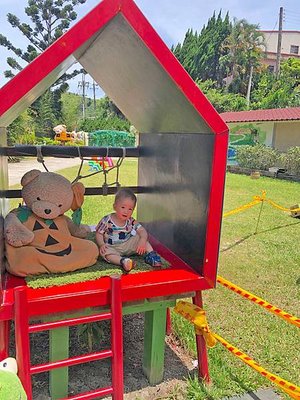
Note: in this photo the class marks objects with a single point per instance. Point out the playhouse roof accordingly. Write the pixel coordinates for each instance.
(117, 46)
(272, 114)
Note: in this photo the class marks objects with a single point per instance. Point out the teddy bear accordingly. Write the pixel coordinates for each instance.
(39, 237)
(10, 385)
(62, 135)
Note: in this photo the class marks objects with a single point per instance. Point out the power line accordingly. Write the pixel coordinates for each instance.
(83, 85)
(291, 12)
(272, 31)
(94, 87)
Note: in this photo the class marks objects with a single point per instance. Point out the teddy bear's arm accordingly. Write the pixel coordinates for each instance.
(16, 234)
(80, 231)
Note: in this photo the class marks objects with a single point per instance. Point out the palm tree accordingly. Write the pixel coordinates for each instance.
(245, 45)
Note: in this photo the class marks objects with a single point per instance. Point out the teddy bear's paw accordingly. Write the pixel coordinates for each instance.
(20, 237)
(86, 229)
(82, 231)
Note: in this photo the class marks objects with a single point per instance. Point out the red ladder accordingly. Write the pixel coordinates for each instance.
(23, 329)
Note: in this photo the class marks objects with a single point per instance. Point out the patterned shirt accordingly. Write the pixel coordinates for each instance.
(114, 234)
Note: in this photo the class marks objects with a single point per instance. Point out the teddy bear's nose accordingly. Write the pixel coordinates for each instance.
(47, 211)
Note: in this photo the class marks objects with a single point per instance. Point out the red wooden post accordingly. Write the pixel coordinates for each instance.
(22, 339)
(4, 339)
(201, 345)
(168, 323)
(117, 338)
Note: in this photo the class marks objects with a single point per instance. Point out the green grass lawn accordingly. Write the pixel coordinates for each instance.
(95, 207)
(266, 264)
(262, 258)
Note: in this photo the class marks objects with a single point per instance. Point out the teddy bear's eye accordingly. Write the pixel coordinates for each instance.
(60, 205)
(38, 198)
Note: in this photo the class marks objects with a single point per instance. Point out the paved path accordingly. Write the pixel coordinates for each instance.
(17, 170)
(260, 394)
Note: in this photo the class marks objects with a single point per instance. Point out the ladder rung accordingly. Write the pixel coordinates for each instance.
(91, 395)
(99, 355)
(69, 322)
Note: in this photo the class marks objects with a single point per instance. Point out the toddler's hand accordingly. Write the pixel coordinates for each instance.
(103, 249)
(141, 247)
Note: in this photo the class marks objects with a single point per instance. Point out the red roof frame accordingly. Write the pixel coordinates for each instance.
(42, 72)
(272, 114)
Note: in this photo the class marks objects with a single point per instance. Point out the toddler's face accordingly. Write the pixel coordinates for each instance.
(124, 208)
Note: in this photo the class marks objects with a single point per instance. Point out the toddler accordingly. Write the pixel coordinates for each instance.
(119, 235)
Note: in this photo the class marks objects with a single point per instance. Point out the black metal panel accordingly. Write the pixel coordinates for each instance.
(177, 168)
(69, 151)
(89, 191)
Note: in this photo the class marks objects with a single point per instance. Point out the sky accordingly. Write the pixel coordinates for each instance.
(170, 18)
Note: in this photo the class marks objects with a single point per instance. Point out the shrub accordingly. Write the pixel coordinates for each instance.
(45, 141)
(291, 160)
(111, 138)
(104, 123)
(257, 157)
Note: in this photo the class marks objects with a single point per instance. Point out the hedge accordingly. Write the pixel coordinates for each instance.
(262, 157)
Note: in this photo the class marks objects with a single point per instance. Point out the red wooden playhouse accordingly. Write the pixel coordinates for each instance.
(181, 169)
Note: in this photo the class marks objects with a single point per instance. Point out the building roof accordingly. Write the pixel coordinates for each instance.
(274, 114)
(118, 47)
(284, 31)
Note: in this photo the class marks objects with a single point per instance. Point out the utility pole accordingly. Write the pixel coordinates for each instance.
(249, 87)
(94, 95)
(278, 57)
(83, 84)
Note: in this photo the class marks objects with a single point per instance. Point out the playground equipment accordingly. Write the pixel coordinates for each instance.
(100, 163)
(114, 138)
(61, 134)
(181, 169)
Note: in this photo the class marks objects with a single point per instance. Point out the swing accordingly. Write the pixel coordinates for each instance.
(105, 171)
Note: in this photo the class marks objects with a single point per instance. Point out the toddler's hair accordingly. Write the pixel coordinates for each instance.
(125, 193)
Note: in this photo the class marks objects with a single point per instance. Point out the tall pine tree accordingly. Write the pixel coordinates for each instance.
(200, 53)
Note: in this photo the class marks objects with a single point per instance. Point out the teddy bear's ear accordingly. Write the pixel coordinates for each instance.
(78, 195)
(30, 176)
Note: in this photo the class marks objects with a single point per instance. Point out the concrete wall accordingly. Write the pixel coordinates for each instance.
(280, 135)
(288, 38)
(286, 134)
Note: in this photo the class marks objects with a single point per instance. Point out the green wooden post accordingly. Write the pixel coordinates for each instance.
(59, 350)
(154, 345)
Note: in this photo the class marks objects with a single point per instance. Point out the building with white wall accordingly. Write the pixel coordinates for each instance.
(278, 128)
(290, 46)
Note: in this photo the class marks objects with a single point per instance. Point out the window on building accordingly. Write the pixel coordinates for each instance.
(294, 49)
(271, 68)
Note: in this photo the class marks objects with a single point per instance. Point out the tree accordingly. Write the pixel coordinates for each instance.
(211, 49)
(49, 20)
(45, 119)
(222, 101)
(21, 130)
(200, 53)
(284, 91)
(71, 106)
(245, 50)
